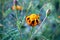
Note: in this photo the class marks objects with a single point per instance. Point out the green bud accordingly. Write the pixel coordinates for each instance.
(48, 12)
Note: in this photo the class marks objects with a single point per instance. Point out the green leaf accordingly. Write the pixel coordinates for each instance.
(7, 12)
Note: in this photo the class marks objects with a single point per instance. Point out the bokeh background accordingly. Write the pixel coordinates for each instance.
(14, 27)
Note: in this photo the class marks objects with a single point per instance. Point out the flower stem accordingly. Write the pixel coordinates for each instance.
(40, 27)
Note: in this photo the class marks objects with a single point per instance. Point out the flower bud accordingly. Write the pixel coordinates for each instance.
(48, 12)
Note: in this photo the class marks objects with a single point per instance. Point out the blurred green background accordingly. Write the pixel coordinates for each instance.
(14, 27)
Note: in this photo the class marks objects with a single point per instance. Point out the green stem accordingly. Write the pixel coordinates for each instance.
(40, 27)
(18, 25)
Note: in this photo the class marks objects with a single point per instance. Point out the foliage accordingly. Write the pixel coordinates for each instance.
(14, 27)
